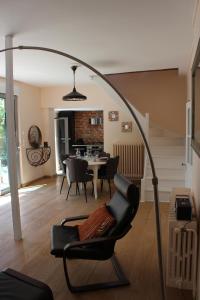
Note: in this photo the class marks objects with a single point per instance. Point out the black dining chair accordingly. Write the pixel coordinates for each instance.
(104, 154)
(66, 243)
(62, 158)
(108, 171)
(78, 173)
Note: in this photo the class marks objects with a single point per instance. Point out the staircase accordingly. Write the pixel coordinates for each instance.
(168, 153)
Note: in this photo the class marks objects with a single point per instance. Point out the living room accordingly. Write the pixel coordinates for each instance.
(147, 90)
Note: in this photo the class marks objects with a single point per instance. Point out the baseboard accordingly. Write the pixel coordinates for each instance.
(35, 180)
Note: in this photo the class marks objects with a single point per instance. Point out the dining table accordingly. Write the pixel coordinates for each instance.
(94, 164)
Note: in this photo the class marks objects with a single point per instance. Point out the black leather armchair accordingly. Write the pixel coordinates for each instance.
(65, 241)
(17, 286)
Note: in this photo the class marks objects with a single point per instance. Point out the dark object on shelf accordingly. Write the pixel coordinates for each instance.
(65, 241)
(38, 156)
(183, 208)
(96, 121)
(34, 136)
(17, 286)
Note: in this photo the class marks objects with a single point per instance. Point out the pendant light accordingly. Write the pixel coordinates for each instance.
(74, 95)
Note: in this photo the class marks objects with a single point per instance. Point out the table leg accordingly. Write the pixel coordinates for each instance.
(95, 178)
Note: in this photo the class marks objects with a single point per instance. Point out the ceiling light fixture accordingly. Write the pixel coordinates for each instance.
(74, 95)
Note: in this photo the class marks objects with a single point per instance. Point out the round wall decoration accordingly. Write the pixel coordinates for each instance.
(34, 136)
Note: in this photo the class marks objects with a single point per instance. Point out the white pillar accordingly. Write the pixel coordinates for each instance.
(12, 163)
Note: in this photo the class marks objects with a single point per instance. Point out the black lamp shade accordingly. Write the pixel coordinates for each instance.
(74, 96)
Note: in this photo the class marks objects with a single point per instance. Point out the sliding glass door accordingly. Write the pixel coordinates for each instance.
(4, 179)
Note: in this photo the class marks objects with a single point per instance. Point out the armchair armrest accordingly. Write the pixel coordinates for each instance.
(89, 242)
(82, 217)
(99, 240)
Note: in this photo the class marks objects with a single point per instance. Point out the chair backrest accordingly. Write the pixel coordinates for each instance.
(124, 204)
(111, 167)
(104, 154)
(77, 169)
(61, 159)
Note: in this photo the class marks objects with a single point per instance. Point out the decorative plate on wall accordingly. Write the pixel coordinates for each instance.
(126, 126)
(34, 136)
(113, 115)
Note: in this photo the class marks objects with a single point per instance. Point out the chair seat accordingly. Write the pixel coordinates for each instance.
(63, 235)
(16, 286)
(87, 177)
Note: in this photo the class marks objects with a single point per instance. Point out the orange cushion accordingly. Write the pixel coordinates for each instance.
(97, 224)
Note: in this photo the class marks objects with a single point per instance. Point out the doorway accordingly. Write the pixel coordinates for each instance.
(4, 177)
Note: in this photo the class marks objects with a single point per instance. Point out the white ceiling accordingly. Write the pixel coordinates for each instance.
(112, 35)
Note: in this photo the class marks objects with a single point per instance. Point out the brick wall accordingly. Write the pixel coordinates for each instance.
(84, 130)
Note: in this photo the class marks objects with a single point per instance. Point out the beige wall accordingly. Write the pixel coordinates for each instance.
(37, 106)
(96, 99)
(29, 113)
(162, 94)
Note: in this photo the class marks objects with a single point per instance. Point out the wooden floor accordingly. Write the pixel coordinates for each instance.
(43, 206)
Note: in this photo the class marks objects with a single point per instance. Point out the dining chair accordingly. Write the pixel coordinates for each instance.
(77, 173)
(63, 167)
(108, 171)
(104, 154)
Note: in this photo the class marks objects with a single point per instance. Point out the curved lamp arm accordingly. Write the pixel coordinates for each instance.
(154, 179)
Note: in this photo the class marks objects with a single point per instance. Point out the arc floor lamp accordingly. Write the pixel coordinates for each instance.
(154, 177)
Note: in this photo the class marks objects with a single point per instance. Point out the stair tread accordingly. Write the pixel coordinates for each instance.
(168, 152)
(167, 178)
(160, 189)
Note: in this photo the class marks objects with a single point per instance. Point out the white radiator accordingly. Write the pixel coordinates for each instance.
(182, 249)
(131, 159)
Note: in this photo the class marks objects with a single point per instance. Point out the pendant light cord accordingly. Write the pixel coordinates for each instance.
(74, 70)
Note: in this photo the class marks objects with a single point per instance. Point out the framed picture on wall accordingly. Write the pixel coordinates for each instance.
(126, 126)
(113, 115)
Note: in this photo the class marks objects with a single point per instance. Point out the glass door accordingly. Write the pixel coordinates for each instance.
(4, 180)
